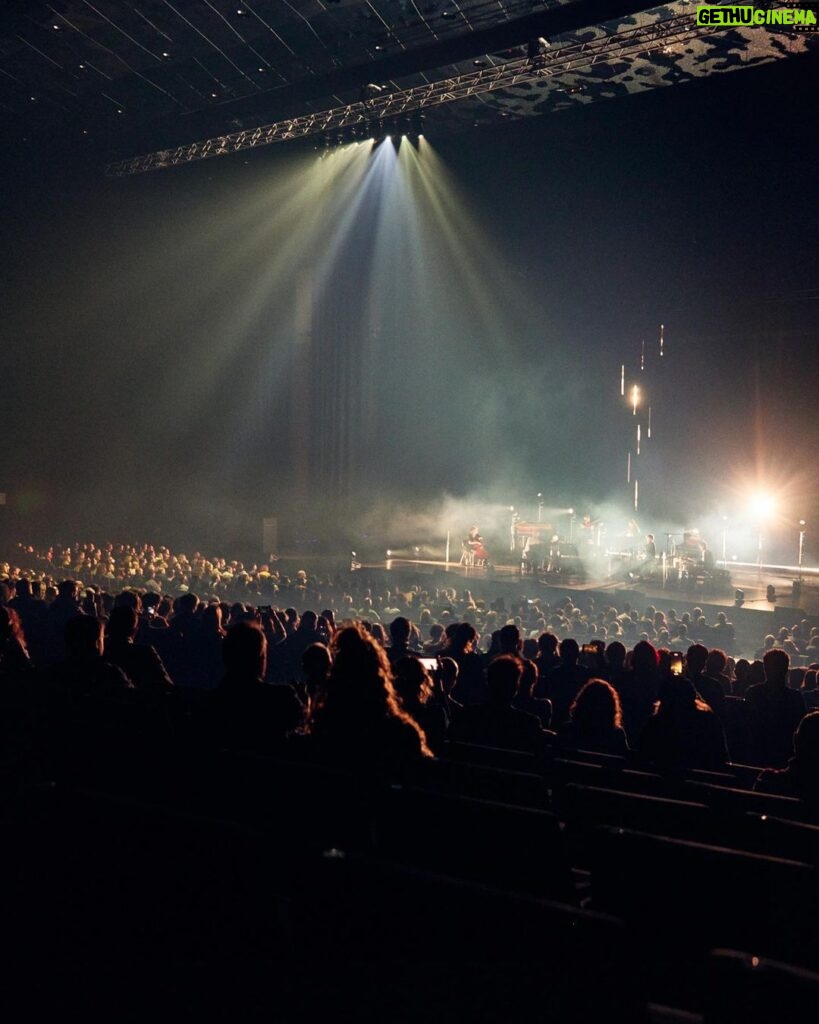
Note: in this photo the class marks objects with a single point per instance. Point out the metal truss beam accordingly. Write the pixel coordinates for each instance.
(573, 57)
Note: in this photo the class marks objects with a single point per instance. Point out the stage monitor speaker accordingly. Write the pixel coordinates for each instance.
(788, 615)
(270, 536)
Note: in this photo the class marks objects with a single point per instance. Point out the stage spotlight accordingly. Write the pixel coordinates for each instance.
(762, 505)
(739, 598)
(370, 91)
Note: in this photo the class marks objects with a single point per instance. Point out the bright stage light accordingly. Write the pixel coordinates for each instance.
(762, 505)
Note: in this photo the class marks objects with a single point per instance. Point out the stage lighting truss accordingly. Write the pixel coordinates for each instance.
(573, 57)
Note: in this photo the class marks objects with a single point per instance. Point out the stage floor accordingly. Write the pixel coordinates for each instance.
(748, 578)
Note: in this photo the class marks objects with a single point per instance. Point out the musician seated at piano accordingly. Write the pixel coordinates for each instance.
(473, 545)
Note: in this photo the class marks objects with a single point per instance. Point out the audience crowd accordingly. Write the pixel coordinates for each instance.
(133, 672)
(437, 664)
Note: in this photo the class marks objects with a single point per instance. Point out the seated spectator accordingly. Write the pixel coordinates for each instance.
(740, 682)
(547, 658)
(85, 671)
(616, 659)
(316, 663)
(139, 662)
(774, 712)
(31, 612)
(711, 683)
(206, 647)
(509, 640)
(62, 609)
(595, 721)
(564, 682)
(470, 688)
(724, 629)
(756, 673)
(15, 662)
(358, 722)
(767, 644)
(809, 689)
(447, 680)
(436, 641)
(400, 639)
(415, 688)
(638, 688)
(525, 699)
(683, 732)
(496, 723)
(247, 713)
(801, 776)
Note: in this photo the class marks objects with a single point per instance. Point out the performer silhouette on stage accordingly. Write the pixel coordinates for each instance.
(474, 550)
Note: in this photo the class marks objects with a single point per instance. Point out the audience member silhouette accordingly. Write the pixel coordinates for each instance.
(358, 723)
(525, 699)
(547, 657)
(470, 687)
(315, 666)
(496, 723)
(63, 608)
(774, 712)
(711, 682)
(801, 776)
(638, 689)
(249, 714)
(400, 637)
(740, 682)
(417, 692)
(15, 663)
(683, 732)
(139, 662)
(206, 646)
(595, 721)
(447, 673)
(85, 671)
(809, 689)
(563, 683)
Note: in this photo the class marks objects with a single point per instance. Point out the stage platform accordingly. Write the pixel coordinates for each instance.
(794, 601)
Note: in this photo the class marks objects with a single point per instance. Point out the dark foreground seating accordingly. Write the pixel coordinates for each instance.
(682, 898)
(745, 989)
(509, 847)
(382, 942)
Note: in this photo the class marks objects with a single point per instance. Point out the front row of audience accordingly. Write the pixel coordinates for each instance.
(361, 706)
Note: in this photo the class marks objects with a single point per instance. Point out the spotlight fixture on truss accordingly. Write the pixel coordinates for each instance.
(380, 106)
(536, 47)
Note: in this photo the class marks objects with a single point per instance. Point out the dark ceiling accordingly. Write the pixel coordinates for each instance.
(131, 77)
